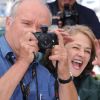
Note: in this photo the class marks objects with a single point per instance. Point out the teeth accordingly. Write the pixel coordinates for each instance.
(77, 61)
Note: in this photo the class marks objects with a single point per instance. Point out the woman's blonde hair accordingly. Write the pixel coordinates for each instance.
(80, 29)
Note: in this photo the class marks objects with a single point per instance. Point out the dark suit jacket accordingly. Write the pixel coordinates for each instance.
(86, 16)
(89, 89)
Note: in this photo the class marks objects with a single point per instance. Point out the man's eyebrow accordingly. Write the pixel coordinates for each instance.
(27, 20)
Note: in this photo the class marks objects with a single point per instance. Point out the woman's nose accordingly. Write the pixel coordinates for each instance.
(81, 53)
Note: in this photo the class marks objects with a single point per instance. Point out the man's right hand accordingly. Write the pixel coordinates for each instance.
(28, 46)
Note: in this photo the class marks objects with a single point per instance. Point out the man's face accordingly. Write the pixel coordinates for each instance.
(29, 18)
(62, 2)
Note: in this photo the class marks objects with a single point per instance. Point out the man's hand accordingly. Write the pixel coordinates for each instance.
(28, 46)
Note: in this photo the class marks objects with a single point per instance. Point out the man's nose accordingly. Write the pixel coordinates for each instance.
(34, 29)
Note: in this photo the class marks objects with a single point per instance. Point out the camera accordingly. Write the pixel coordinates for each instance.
(46, 40)
(69, 16)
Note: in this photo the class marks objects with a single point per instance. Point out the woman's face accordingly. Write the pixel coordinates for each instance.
(79, 52)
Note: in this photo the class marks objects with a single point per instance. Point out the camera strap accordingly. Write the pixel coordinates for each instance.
(10, 57)
(56, 82)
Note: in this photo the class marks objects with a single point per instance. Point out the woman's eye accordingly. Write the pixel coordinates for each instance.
(87, 51)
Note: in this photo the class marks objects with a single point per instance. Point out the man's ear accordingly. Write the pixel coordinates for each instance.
(8, 22)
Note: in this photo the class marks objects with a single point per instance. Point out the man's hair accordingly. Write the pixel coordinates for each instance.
(17, 3)
(14, 7)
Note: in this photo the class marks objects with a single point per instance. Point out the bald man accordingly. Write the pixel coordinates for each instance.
(21, 76)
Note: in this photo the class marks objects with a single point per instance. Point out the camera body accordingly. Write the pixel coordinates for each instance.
(69, 16)
(46, 40)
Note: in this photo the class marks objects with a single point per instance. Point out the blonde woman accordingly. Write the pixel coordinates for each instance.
(80, 54)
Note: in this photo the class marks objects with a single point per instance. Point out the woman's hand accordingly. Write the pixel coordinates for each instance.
(59, 54)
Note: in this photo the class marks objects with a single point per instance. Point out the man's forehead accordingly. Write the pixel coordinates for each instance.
(35, 8)
(36, 3)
